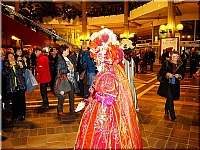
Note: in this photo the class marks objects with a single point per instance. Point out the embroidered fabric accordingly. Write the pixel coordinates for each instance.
(110, 120)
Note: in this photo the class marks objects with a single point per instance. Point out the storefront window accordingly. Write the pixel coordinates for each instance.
(187, 34)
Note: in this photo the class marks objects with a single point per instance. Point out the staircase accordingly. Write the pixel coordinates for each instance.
(52, 102)
(26, 34)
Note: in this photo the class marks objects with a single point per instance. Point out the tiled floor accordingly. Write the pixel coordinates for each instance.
(43, 129)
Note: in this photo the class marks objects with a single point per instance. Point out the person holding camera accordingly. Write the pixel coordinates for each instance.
(16, 85)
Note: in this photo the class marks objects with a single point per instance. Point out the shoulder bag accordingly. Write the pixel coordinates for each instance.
(61, 84)
(31, 82)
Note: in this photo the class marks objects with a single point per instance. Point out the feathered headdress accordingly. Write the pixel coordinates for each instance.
(104, 47)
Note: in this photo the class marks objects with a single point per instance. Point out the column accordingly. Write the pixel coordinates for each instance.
(171, 18)
(153, 34)
(126, 11)
(16, 5)
(84, 22)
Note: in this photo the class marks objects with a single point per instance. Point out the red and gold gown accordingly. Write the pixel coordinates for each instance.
(110, 120)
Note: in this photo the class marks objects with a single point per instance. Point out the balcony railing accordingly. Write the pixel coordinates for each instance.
(38, 27)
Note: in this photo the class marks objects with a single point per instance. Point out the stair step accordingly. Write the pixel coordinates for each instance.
(52, 102)
(65, 104)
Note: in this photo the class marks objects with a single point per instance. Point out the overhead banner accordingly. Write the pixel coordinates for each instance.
(169, 44)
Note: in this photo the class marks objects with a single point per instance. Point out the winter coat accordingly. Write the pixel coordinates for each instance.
(166, 85)
(52, 64)
(61, 64)
(74, 61)
(9, 74)
(88, 63)
(43, 69)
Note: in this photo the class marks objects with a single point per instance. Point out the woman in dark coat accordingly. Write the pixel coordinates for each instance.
(16, 86)
(64, 63)
(172, 72)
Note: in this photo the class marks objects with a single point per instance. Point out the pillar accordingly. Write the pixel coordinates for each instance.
(16, 5)
(126, 25)
(153, 34)
(171, 18)
(84, 22)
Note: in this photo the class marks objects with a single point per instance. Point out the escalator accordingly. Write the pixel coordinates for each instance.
(26, 34)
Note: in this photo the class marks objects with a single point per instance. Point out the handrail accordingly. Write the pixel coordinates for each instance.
(37, 25)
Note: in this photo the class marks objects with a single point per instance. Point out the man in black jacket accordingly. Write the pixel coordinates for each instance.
(151, 59)
(184, 57)
(75, 57)
(193, 62)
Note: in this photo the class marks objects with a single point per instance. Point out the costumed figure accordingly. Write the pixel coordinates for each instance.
(110, 120)
(128, 62)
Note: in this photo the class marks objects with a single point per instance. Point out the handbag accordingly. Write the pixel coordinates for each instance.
(61, 84)
(31, 82)
(162, 89)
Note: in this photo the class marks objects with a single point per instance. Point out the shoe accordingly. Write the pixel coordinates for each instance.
(166, 112)
(85, 96)
(173, 119)
(77, 93)
(14, 118)
(61, 114)
(45, 106)
(73, 111)
(194, 76)
(21, 118)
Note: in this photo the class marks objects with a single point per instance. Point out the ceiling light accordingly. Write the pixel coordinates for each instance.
(162, 27)
(179, 27)
(15, 38)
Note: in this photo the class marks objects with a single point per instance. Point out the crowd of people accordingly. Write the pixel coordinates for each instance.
(91, 77)
(44, 66)
(144, 58)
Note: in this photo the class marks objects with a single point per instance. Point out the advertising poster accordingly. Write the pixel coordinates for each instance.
(170, 44)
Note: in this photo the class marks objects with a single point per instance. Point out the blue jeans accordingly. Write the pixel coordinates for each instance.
(90, 79)
(76, 86)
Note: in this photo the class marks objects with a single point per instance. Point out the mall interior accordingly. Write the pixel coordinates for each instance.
(148, 24)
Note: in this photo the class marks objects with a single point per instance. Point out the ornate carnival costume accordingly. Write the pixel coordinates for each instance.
(110, 120)
(128, 62)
